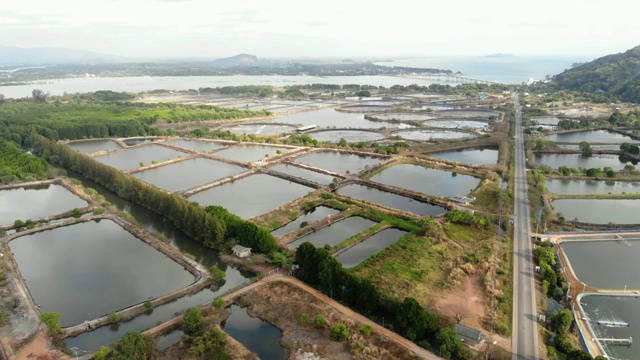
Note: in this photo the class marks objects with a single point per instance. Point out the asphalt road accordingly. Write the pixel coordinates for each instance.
(525, 330)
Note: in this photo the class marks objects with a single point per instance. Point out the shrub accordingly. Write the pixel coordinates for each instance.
(339, 332)
(304, 319)
(113, 317)
(192, 321)
(148, 305)
(319, 321)
(52, 321)
(216, 274)
(366, 329)
(218, 302)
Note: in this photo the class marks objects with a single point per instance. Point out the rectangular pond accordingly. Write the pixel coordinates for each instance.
(391, 200)
(619, 257)
(599, 211)
(316, 214)
(249, 152)
(580, 161)
(590, 136)
(252, 196)
(310, 175)
(468, 156)
(188, 174)
(195, 145)
(35, 203)
(335, 233)
(87, 270)
(338, 162)
(131, 158)
(614, 308)
(362, 251)
(591, 187)
(427, 181)
(93, 146)
(330, 118)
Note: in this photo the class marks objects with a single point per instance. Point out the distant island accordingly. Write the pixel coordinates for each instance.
(499, 55)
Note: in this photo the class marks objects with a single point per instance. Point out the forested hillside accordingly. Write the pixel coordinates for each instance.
(617, 75)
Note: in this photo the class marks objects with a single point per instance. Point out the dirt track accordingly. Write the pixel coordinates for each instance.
(421, 352)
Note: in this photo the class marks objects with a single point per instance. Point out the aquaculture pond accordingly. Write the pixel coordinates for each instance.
(403, 116)
(456, 123)
(248, 152)
(351, 136)
(599, 211)
(252, 196)
(373, 244)
(256, 335)
(339, 162)
(91, 341)
(312, 216)
(591, 187)
(188, 174)
(330, 118)
(468, 156)
(134, 142)
(320, 178)
(195, 145)
(139, 156)
(598, 307)
(580, 161)
(433, 134)
(469, 113)
(432, 181)
(391, 200)
(621, 272)
(602, 136)
(88, 270)
(259, 129)
(335, 233)
(93, 146)
(36, 202)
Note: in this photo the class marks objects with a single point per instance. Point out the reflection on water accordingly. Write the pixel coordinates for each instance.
(256, 335)
(34, 203)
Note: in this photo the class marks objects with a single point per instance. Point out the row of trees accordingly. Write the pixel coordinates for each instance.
(318, 268)
(216, 228)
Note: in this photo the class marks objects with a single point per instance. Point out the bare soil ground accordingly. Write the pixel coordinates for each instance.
(283, 305)
(466, 303)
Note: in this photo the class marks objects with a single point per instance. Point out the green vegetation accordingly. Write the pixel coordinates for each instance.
(4, 316)
(339, 332)
(218, 302)
(148, 305)
(78, 119)
(192, 322)
(132, 346)
(319, 321)
(216, 274)
(304, 319)
(209, 345)
(616, 75)
(113, 317)
(17, 165)
(52, 321)
(366, 329)
(214, 227)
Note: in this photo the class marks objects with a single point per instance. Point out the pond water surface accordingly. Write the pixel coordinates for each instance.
(256, 335)
(131, 158)
(590, 136)
(591, 187)
(314, 215)
(92, 146)
(427, 181)
(351, 136)
(329, 118)
(391, 200)
(335, 233)
(320, 178)
(249, 152)
(580, 161)
(599, 211)
(433, 135)
(468, 156)
(87, 270)
(339, 162)
(620, 273)
(34, 203)
(373, 244)
(195, 145)
(188, 174)
(252, 196)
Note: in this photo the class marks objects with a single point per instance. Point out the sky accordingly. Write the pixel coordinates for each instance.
(327, 28)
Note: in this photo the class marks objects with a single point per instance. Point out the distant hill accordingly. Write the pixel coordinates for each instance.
(617, 75)
(16, 56)
(237, 60)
